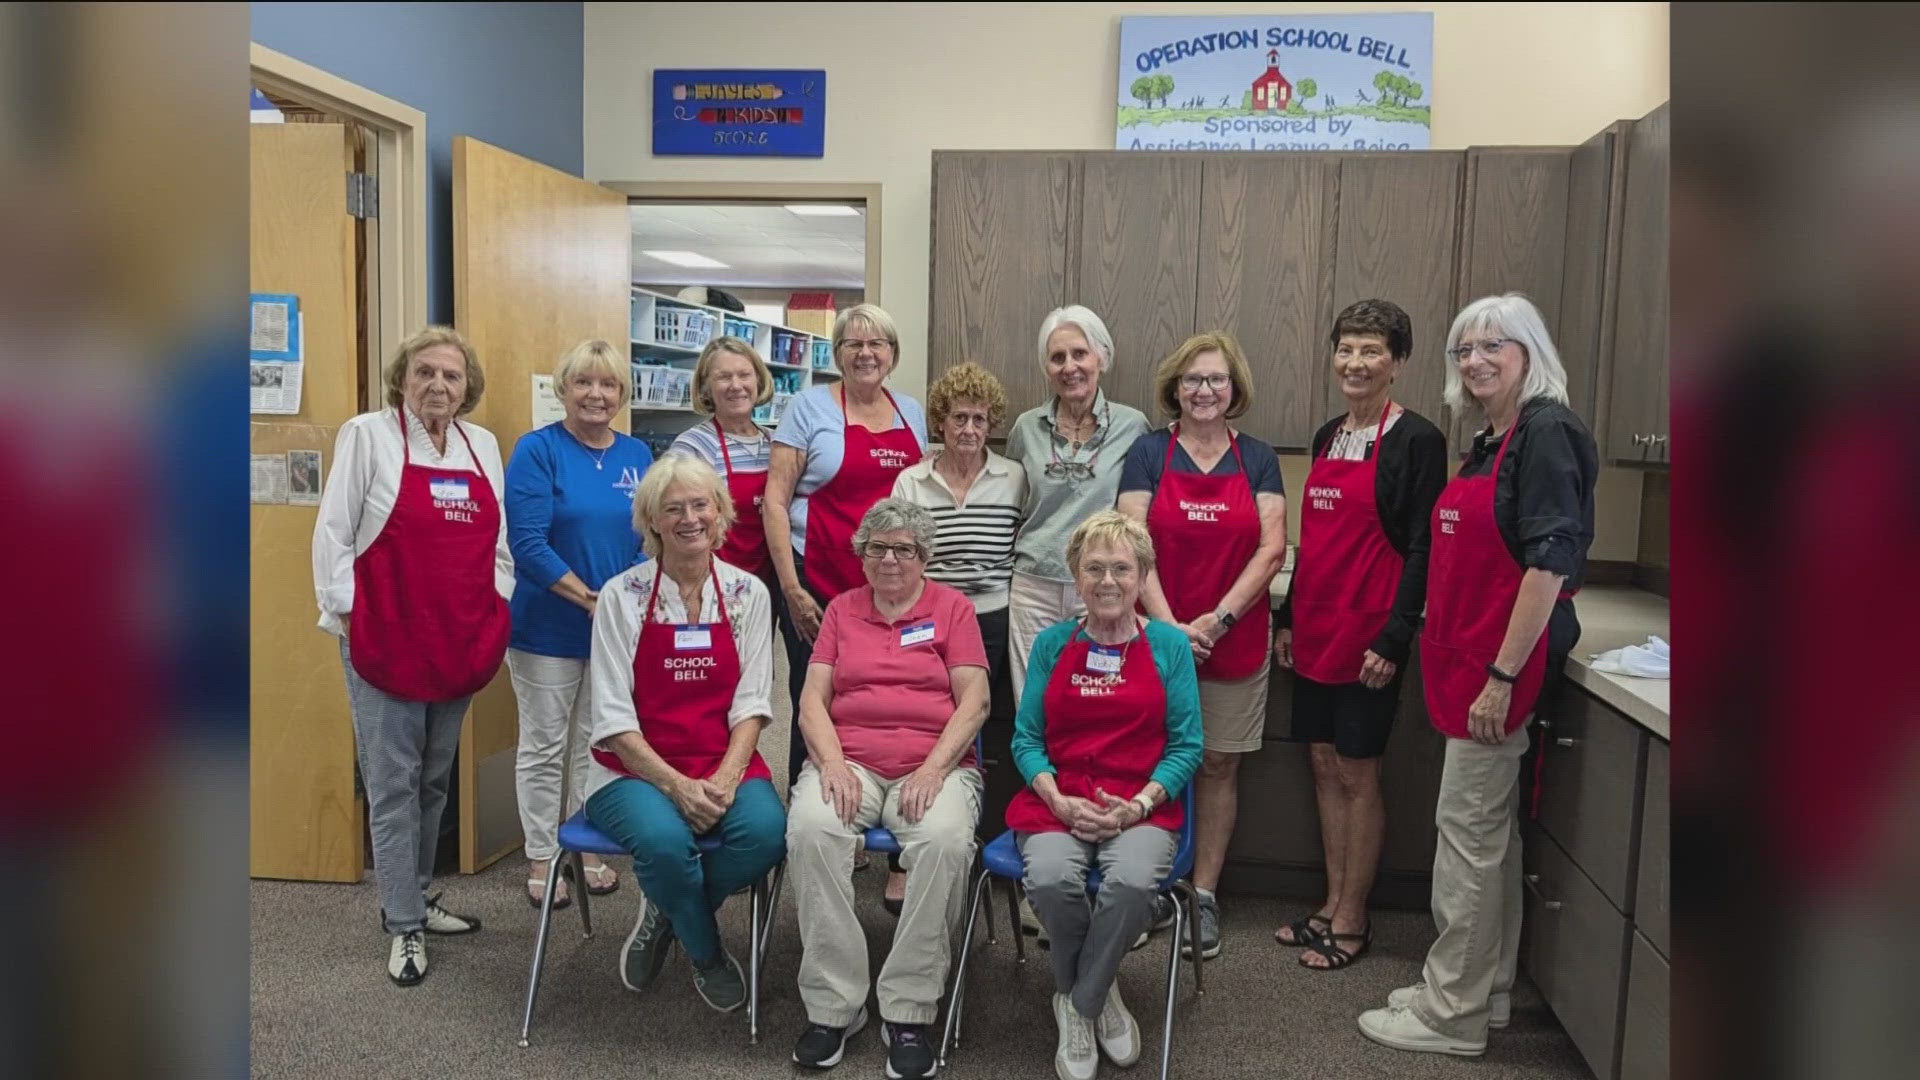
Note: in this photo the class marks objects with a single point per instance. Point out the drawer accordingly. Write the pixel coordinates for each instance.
(1576, 950)
(1590, 789)
(1644, 1038)
(1651, 890)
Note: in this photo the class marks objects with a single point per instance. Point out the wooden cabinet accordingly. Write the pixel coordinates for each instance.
(1139, 249)
(1645, 1036)
(1589, 793)
(1575, 949)
(1637, 428)
(1652, 892)
(1596, 181)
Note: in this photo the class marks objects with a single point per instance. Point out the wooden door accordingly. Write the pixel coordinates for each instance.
(1637, 410)
(1002, 249)
(307, 821)
(1398, 236)
(541, 262)
(1139, 251)
(1596, 180)
(1267, 233)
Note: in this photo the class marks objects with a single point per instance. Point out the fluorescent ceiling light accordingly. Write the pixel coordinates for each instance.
(823, 210)
(689, 259)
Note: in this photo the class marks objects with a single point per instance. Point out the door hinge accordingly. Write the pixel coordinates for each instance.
(363, 195)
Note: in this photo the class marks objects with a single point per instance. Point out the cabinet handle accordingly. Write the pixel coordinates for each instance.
(1642, 440)
(1565, 741)
(1657, 439)
(1533, 886)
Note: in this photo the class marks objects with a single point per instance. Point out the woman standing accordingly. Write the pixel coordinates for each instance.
(838, 451)
(412, 569)
(1510, 539)
(1359, 585)
(569, 518)
(730, 381)
(1213, 499)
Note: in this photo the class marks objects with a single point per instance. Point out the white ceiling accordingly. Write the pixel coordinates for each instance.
(764, 246)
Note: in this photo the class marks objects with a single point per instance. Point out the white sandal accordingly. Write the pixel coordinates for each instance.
(565, 899)
(613, 882)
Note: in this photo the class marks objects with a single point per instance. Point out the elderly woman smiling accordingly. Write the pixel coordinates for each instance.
(895, 693)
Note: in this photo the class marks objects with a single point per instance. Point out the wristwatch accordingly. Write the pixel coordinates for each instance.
(1145, 803)
(1227, 618)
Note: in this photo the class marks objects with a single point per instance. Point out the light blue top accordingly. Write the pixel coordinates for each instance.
(568, 508)
(748, 455)
(815, 425)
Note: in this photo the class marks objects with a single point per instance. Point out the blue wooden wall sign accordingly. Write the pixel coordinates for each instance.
(755, 113)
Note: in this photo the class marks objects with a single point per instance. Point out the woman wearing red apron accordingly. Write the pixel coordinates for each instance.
(682, 669)
(838, 450)
(731, 381)
(1107, 738)
(1510, 539)
(1215, 505)
(1347, 626)
(412, 570)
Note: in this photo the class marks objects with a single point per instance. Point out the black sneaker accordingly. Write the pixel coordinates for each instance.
(820, 1046)
(909, 1053)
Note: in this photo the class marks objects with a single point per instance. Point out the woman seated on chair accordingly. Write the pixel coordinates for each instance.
(682, 669)
(895, 693)
(1107, 737)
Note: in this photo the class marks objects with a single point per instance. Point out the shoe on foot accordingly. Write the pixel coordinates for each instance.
(1074, 1056)
(1206, 912)
(648, 944)
(407, 959)
(720, 984)
(1029, 922)
(442, 921)
(1499, 1007)
(821, 1046)
(1396, 1026)
(602, 879)
(1162, 918)
(1116, 1031)
(909, 1053)
(896, 880)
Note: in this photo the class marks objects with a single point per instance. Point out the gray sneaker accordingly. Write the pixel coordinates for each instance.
(721, 985)
(647, 947)
(1162, 918)
(1207, 913)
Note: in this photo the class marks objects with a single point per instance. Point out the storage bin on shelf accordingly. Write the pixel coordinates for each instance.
(822, 354)
(683, 326)
(657, 386)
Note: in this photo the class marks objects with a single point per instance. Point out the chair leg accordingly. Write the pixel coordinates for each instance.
(580, 887)
(1180, 919)
(1013, 920)
(754, 897)
(773, 901)
(956, 997)
(1193, 932)
(539, 951)
(986, 899)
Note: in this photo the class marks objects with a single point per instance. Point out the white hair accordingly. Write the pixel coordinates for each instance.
(1510, 316)
(1089, 325)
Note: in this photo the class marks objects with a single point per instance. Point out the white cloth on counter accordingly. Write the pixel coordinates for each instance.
(1651, 660)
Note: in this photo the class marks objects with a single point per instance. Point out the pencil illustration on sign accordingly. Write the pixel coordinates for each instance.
(1286, 82)
(765, 113)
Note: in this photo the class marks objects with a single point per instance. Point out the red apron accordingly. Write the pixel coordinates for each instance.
(869, 464)
(746, 545)
(1209, 527)
(1472, 583)
(1348, 571)
(684, 677)
(427, 622)
(1104, 731)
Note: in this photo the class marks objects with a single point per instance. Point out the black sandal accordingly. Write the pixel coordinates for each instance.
(1338, 957)
(1305, 933)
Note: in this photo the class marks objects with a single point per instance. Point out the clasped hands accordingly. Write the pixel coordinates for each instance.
(1098, 819)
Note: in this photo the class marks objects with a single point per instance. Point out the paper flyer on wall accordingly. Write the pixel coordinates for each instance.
(303, 477)
(270, 478)
(276, 354)
(546, 408)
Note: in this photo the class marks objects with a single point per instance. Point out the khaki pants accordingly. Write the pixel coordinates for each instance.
(556, 713)
(1476, 887)
(937, 853)
(1033, 604)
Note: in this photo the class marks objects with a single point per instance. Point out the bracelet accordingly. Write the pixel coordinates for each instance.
(1494, 670)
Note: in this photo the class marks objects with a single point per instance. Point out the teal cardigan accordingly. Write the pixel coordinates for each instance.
(1172, 654)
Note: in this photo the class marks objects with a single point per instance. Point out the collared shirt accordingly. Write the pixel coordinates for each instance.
(617, 622)
(892, 679)
(1056, 505)
(363, 485)
(973, 549)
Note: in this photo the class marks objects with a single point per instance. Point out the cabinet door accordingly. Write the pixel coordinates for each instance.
(1139, 249)
(1589, 797)
(1653, 889)
(1266, 276)
(1637, 413)
(1399, 220)
(1596, 181)
(1575, 949)
(1002, 249)
(1645, 1036)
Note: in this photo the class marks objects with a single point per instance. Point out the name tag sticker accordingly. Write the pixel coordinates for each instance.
(1103, 660)
(447, 487)
(692, 638)
(918, 634)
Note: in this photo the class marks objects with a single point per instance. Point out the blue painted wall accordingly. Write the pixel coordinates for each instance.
(508, 74)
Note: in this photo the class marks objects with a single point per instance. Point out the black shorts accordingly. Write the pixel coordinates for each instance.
(1354, 719)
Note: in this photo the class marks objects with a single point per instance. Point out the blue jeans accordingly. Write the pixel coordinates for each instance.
(689, 886)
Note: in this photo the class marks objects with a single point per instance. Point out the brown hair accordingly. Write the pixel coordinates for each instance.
(1166, 381)
(966, 382)
(703, 370)
(396, 373)
(1381, 318)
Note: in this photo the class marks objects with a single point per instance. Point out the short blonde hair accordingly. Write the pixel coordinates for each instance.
(594, 358)
(1112, 529)
(396, 373)
(703, 370)
(877, 320)
(1166, 381)
(678, 467)
(966, 382)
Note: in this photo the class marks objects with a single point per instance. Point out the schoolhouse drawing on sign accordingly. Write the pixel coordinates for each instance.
(1272, 91)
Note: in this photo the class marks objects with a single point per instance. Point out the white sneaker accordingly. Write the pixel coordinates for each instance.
(1499, 1007)
(1396, 1026)
(1116, 1031)
(407, 959)
(1075, 1057)
(442, 921)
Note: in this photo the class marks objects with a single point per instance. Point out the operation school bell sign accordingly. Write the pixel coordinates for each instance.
(1280, 82)
(775, 113)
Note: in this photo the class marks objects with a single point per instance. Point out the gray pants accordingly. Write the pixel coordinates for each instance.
(406, 759)
(1089, 937)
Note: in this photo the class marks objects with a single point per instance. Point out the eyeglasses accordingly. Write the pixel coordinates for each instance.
(1069, 470)
(1489, 348)
(1215, 381)
(1097, 571)
(875, 345)
(874, 549)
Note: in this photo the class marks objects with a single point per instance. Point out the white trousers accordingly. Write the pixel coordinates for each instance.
(1033, 604)
(555, 710)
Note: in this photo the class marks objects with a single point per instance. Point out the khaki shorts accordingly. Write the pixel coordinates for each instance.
(1233, 712)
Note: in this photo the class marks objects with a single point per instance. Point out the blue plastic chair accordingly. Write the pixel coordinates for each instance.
(579, 837)
(1001, 859)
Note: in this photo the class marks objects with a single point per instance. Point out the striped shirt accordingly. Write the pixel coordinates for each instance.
(973, 549)
(749, 455)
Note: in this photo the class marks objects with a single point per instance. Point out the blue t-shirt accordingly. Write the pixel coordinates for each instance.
(1147, 460)
(568, 508)
(815, 425)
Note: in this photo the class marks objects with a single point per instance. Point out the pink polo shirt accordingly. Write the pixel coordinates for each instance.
(892, 691)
